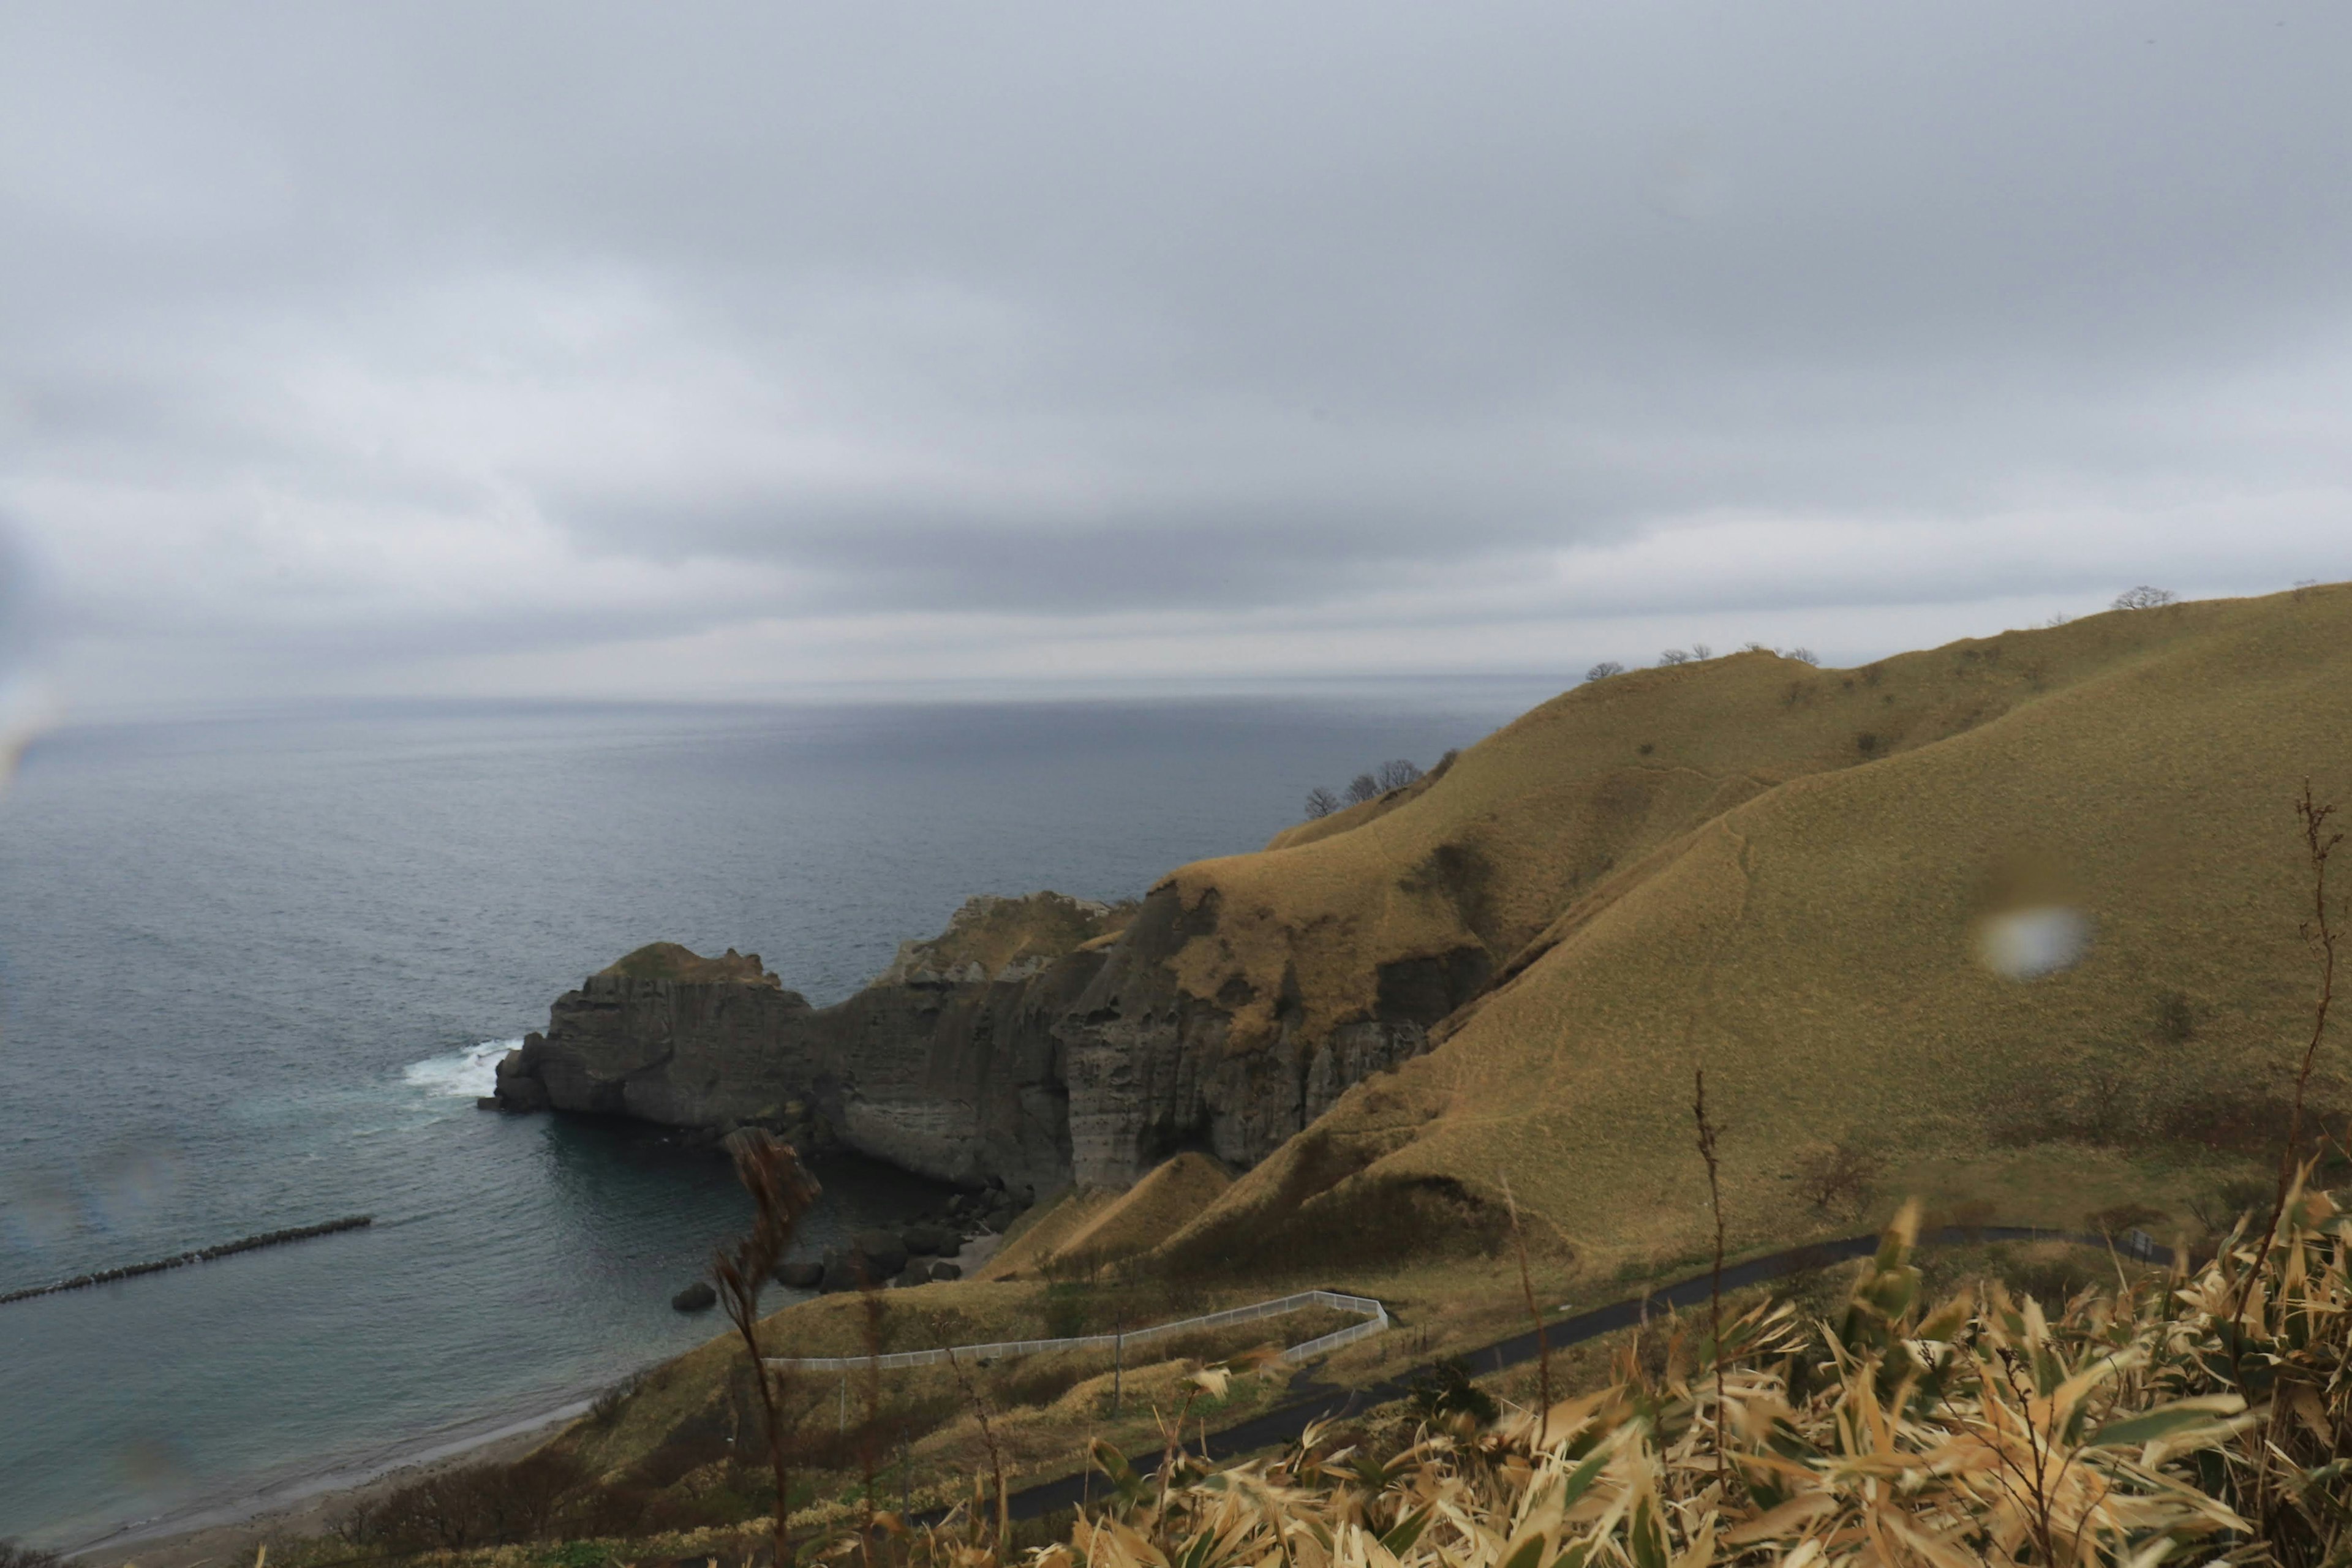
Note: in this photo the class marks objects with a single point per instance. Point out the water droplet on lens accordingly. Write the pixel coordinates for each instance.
(2027, 944)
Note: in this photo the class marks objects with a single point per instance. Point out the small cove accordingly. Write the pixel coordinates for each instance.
(251, 971)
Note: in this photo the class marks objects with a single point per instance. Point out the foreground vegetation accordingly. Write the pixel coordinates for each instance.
(2196, 1414)
(2204, 1415)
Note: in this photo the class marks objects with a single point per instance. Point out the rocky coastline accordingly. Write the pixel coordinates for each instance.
(1037, 1043)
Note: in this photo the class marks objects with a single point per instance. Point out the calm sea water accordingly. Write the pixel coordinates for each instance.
(253, 974)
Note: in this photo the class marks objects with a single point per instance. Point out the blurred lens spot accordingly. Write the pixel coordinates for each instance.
(2026, 944)
(150, 1462)
(131, 1180)
(37, 1213)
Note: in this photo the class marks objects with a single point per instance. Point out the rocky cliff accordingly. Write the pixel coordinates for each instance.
(1040, 1040)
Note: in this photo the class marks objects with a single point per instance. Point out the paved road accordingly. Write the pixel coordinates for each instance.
(1324, 1403)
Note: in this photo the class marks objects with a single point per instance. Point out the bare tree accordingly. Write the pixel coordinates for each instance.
(1604, 669)
(1700, 650)
(2145, 598)
(1802, 654)
(1321, 801)
(1397, 773)
(1755, 647)
(1363, 787)
(1675, 656)
(781, 1193)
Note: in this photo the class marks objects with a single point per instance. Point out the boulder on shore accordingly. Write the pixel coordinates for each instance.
(932, 1240)
(802, 1275)
(872, 1257)
(884, 1253)
(698, 1297)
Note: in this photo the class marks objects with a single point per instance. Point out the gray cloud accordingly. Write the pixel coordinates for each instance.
(466, 347)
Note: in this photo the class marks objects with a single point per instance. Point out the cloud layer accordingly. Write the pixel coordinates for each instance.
(729, 350)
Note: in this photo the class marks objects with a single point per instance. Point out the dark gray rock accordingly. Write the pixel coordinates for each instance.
(698, 1297)
(885, 1255)
(855, 1267)
(516, 1088)
(806, 1275)
(945, 1270)
(931, 1240)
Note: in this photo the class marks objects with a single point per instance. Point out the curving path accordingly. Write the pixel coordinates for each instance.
(1321, 1402)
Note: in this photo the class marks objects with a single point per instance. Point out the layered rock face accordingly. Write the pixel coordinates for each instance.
(1039, 1041)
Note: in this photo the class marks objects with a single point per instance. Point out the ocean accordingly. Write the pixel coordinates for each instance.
(254, 973)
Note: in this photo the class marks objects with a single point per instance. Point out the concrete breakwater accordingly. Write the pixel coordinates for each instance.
(201, 1255)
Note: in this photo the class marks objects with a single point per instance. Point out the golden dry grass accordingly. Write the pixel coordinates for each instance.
(997, 934)
(669, 960)
(1697, 865)
(1037, 1236)
(1141, 1217)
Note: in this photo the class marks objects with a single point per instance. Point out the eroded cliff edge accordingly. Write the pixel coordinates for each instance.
(1040, 1040)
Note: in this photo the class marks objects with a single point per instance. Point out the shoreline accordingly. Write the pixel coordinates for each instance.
(225, 1527)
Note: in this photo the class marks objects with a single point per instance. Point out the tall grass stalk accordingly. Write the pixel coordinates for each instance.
(1707, 1145)
(1528, 1289)
(782, 1192)
(995, 1458)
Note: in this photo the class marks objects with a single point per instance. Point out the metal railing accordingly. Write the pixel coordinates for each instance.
(1376, 1318)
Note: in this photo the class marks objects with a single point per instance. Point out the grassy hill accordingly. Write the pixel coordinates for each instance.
(1783, 873)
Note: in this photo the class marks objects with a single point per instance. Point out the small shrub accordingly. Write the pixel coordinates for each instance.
(2226, 1205)
(1700, 650)
(1837, 1180)
(2145, 598)
(1446, 1391)
(1604, 669)
(1320, 803)
(1035, 1382)
(1802, 654)
(1867, 743)
(2054, 1277)
(2176, 1018)
(2122, 1218)
(17, 1554)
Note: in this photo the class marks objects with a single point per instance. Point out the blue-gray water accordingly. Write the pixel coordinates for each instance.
(251, 973)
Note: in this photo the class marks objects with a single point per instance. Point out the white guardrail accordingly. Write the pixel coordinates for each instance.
(1376, 1318)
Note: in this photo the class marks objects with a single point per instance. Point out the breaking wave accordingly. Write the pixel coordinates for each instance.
(469, 1073)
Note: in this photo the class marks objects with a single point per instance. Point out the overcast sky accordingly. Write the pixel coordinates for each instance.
(743, 349)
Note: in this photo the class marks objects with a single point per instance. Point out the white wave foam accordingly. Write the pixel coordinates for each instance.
(469, 1073)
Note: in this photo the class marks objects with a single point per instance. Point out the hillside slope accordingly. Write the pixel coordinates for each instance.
(1783, 873)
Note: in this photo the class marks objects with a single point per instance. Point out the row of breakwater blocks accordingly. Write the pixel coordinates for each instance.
(201, 1255)
(1375, 1316)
